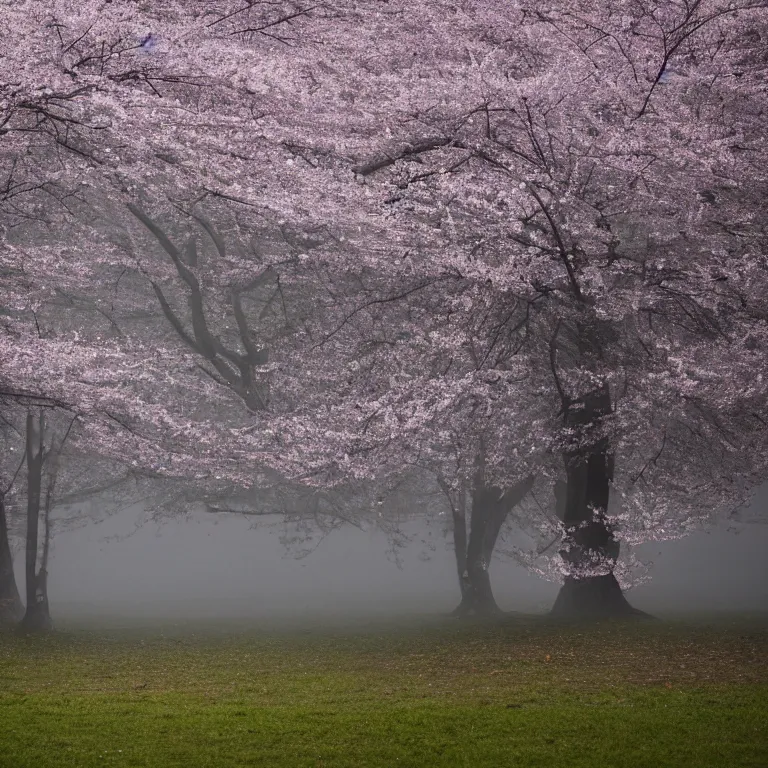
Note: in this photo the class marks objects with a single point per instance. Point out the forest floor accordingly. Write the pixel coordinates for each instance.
(515, 692)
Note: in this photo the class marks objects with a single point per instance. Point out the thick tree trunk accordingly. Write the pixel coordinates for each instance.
(11, 607)
(590, 549)
(592, 597)
(37, 616)
(490, 507)
(480, 551)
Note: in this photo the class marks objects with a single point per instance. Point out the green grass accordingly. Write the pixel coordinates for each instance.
(522, 692)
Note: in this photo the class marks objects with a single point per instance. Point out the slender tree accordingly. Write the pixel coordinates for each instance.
(37, 616)
(11, 608)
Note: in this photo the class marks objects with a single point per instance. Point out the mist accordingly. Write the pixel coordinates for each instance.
(227, 566)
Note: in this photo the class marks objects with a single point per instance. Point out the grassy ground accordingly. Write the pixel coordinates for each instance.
(521, 692)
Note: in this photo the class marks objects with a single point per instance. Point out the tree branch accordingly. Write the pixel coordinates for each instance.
(409, 150)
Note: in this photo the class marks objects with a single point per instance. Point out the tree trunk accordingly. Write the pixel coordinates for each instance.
(11, 607)
(490, 507)
(592, 597)
(459, 515)
(590, 549)
(37, 616)
(479, 552)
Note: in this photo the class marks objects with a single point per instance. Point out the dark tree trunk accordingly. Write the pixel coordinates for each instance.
(480, 551)
(592, 597)
(11, 607)
(490, 507)
(590, 549)
(459, 515)
(37, 616)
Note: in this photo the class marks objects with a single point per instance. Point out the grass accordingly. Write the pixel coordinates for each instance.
(520, 692)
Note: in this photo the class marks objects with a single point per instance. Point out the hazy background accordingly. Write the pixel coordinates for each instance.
(225, 566)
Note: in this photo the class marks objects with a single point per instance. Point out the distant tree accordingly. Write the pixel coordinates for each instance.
(11, 607)
(12, 475)
(57, 487)
(37, 616)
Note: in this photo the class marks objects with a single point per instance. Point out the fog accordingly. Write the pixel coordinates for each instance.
(228, 567)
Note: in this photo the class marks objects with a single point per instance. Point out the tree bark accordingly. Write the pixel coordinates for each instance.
(590, 549)
(37, 616)
(11, 607)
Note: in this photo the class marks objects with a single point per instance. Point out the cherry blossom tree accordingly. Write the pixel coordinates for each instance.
(578, 259)
(532, 234)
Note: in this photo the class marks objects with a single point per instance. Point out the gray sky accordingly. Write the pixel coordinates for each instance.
(209, 566)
